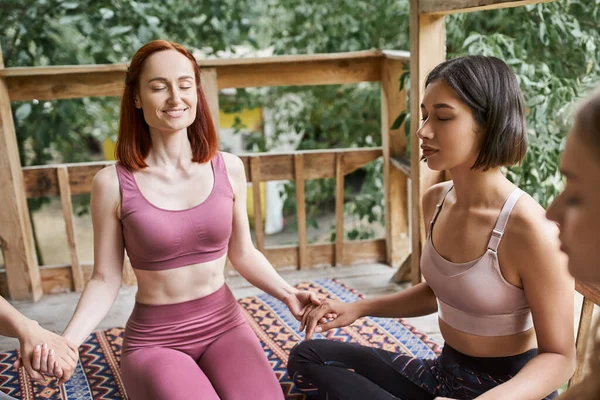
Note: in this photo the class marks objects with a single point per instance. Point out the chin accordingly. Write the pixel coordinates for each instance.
(434, 166)
(584, 272)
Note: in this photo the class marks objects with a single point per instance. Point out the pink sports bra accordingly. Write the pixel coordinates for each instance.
(474, 297)
(159, 239)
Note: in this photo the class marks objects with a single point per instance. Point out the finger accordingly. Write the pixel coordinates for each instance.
(18, 364)
(36, 376)
(314, 318)
(51, 362)
(44, 359)
(37, 355)
(58, 372)
(336, 323)
(315, 299)
(306, 315)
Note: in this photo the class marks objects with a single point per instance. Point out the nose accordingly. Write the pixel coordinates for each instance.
(555, 210)
(424, 131)
(175, 95)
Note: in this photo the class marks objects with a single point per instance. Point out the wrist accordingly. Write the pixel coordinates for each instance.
(26, 328)
(362, 308)
(289, 293)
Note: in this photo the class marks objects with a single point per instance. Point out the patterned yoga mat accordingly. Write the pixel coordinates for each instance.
(97, 375)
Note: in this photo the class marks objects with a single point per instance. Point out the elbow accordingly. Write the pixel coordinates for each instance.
(241, 257)
(109, 280)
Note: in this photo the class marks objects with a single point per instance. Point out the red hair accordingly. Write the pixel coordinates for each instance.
(134, 142)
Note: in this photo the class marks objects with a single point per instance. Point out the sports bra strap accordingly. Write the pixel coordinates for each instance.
(498, 231)
(438, 207)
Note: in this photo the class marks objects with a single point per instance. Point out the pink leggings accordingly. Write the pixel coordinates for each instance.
(200, 349)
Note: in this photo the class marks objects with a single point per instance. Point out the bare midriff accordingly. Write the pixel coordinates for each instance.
(488, 346)
(177, 285)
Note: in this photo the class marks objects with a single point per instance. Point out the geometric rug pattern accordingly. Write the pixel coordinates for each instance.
(97, 374)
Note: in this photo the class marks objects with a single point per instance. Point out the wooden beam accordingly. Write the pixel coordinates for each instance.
(592, 292)
(67, 208)
(208, 80)
(393, 102)
(41, 180)
(339, 209)
(259, 232)
(428, 48)
(402, 164)
(16, 236)
(444, 7)
(65, 82)
(58, 278)
(300, 210)
(583, 335)
(355, 252)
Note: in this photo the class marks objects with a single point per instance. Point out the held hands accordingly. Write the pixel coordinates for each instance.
(44, 352)
(300, 301)
(328, 315)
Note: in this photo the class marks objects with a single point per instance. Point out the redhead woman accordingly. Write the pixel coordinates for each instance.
(177, 205)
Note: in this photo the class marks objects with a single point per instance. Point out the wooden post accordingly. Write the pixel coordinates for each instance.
(393, 102)
(208, 80)
(67, 208)
(300, 210)
(427, 49)
(16, 237)
(583, 335)
(339, 209)
(258, 225)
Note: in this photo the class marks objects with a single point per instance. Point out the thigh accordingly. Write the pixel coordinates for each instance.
(397, 374)
(238, 368)
(162, 373)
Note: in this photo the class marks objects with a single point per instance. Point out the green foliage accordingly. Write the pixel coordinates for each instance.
(552, 49)
(59, 32)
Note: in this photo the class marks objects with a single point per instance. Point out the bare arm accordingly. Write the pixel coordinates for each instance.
(532, 246)
(12, 322)
(246, 259)
(416, 301)
(102, 289)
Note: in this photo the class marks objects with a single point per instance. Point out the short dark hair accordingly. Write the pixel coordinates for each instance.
(489, 87)
(587, 121)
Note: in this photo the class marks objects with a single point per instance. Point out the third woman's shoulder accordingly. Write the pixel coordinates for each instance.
(528, 225)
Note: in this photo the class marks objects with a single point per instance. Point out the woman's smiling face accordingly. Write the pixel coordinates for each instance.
(167, 92)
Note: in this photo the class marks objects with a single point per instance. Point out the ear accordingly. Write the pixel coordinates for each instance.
(137, 102)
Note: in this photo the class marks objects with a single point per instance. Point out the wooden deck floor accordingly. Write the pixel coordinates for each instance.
(53, 312)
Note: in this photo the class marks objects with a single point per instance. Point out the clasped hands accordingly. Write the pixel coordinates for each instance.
(46, 353)
(327, 315)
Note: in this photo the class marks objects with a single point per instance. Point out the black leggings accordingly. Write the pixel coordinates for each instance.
(331, 370)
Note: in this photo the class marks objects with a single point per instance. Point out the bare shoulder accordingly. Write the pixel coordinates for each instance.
(105, 185)
(234, 164)
(432, 196)
(529, 236)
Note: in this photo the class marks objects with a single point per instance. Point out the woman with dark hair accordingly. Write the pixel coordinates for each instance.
(178, 207)
(576, 212)
(491, 262)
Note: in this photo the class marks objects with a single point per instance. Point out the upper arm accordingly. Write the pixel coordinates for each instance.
(240, 241)
(531, 247)
(108, 234)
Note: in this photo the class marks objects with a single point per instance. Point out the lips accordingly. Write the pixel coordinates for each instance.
(176, 112)
(428, 151)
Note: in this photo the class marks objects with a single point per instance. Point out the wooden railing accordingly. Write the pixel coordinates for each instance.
(24, 279)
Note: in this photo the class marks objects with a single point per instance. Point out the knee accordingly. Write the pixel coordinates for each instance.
(303, 353)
